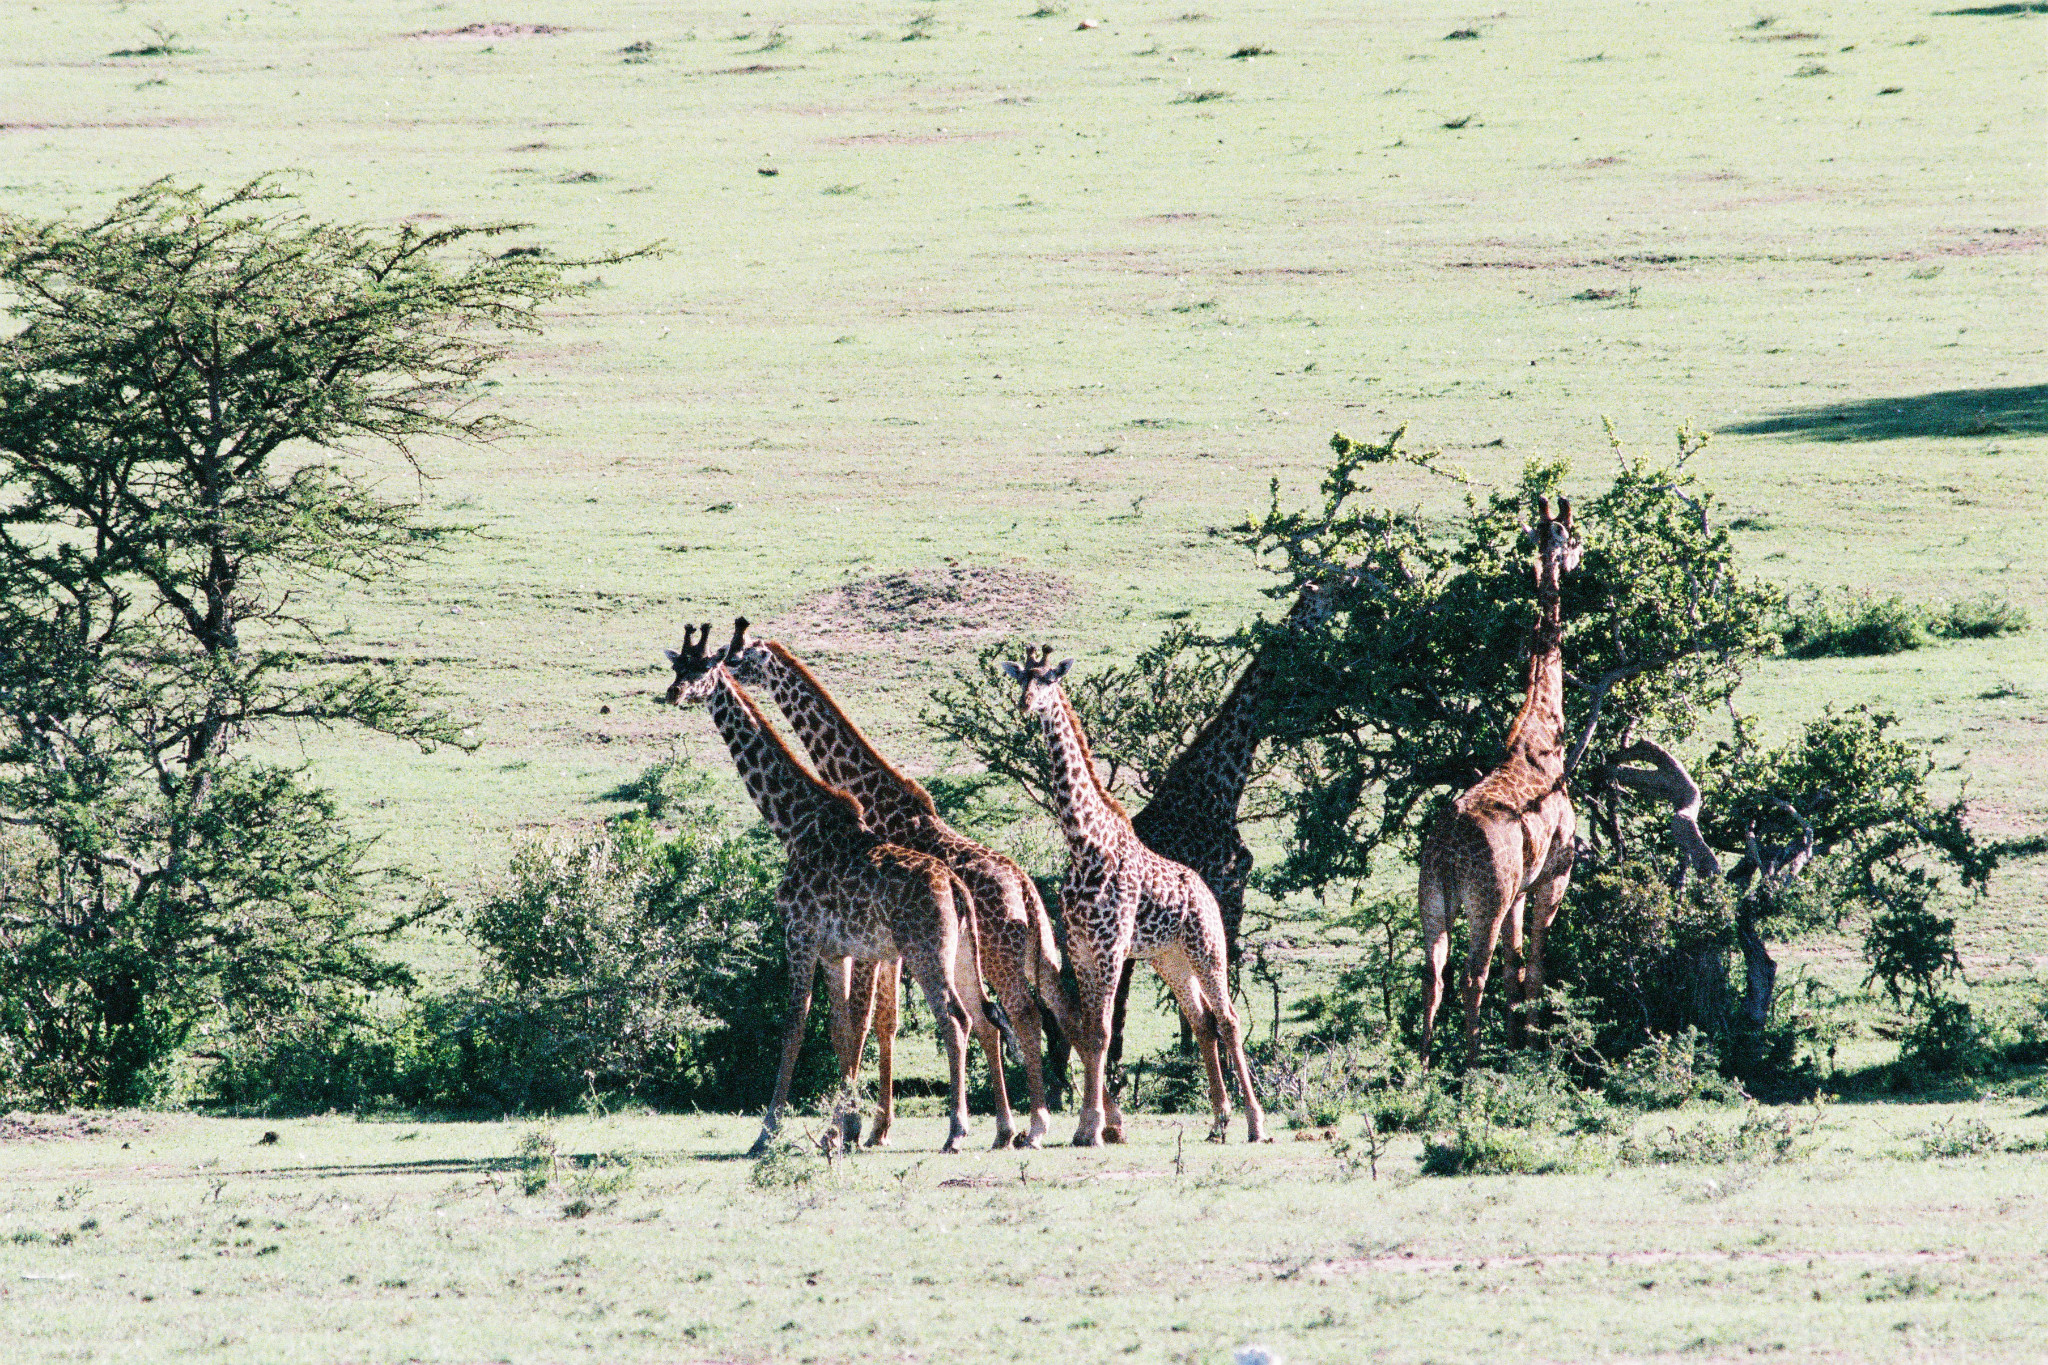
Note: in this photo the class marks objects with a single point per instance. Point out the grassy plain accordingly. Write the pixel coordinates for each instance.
(168, 1237)
(1028, 296)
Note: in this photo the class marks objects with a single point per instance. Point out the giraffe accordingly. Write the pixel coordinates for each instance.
(1120, 899)
(1192, 816)
(846, 895)
(1504, 849)
(1018, 951)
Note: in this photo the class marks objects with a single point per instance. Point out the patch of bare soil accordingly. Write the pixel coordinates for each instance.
(914, 139)
(758, 68)
(1409, 1262)
(19, 1127)
(923, 609)
(484, 32)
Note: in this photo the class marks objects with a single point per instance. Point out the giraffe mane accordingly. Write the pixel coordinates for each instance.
(922, 797)
(854, 809)
(1088, 759)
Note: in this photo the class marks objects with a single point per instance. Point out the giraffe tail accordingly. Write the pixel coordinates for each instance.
(1045, 974)
(971, 926)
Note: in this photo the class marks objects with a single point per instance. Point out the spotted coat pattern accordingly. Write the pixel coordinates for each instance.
(1121, 900)
(1502, 853)
(1192, 816)
(1018, 951)
(847, 894)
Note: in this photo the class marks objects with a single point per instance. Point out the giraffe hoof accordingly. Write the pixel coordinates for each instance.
(1113, 1133)
(1003, 1142)
(1029, 1142)
(1087, 1139)
(878, 1139)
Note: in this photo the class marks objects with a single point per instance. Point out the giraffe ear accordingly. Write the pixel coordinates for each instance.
(1060, 672)
(673, 657)
(1016, 673)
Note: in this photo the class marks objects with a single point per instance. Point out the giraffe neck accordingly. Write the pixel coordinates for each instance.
(1087, 812)
(800, 809)
(843, 755)
(1210, 774)
(1537, 736)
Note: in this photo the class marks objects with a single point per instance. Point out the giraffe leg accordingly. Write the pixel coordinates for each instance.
(1516, 970)
(930, 970)
(1229, 1033)
(1544, 899)
(848, 987)
(803, 965)
(1197, 1016)
(1436, 949)
(969, 971)
(887, 987)
(1096, 979)
(1113, 1068)
(1001, 960)
(1488, 910)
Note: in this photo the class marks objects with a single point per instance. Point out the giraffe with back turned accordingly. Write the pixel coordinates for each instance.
(1120, 899)
(1192, 815)
(846, 895)
(1502, 854)
(1018, 951)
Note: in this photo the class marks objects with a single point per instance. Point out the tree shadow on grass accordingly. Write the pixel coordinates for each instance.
(2019, 411)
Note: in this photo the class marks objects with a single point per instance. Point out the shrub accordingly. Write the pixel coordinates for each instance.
(1763, 1136)
(1947, 1040)
(1669, 1071)
(1853, 624)
(621, 964)
(1978, 618)
(1481, 1149)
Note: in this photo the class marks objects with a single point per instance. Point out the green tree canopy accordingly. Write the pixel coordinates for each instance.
(179, 386)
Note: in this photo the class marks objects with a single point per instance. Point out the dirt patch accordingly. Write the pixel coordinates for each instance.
(922, 609)
(1409, 1262)
(756, 69)
(105, 123)
(913, 139)
(64, 1127)
(473, 33)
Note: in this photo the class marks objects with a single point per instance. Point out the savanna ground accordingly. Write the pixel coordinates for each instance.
(1022, 311)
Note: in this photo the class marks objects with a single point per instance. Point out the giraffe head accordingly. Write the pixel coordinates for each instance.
(1558, 546)
(696, 670)
(749, 660)
(1040, 679)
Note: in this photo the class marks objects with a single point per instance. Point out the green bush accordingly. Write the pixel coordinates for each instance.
(1669, 1071)
(1763, 1136)
(1947, 1040)
(627, 964)
(1978, 618)
(1481, 1149)
(1853, 625)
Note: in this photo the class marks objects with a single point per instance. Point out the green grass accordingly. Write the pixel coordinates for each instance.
(168, 1237)
(1018, 297)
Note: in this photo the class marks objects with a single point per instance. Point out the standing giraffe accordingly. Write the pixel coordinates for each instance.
(1192, 816)
(1018, 952)
(846, 893)
(1507, 843)
(1120, 899)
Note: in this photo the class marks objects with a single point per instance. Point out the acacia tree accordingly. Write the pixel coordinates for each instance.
(181, 381)
(1400, 699)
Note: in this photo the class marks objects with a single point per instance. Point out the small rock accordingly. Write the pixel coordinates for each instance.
(1089, 23)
